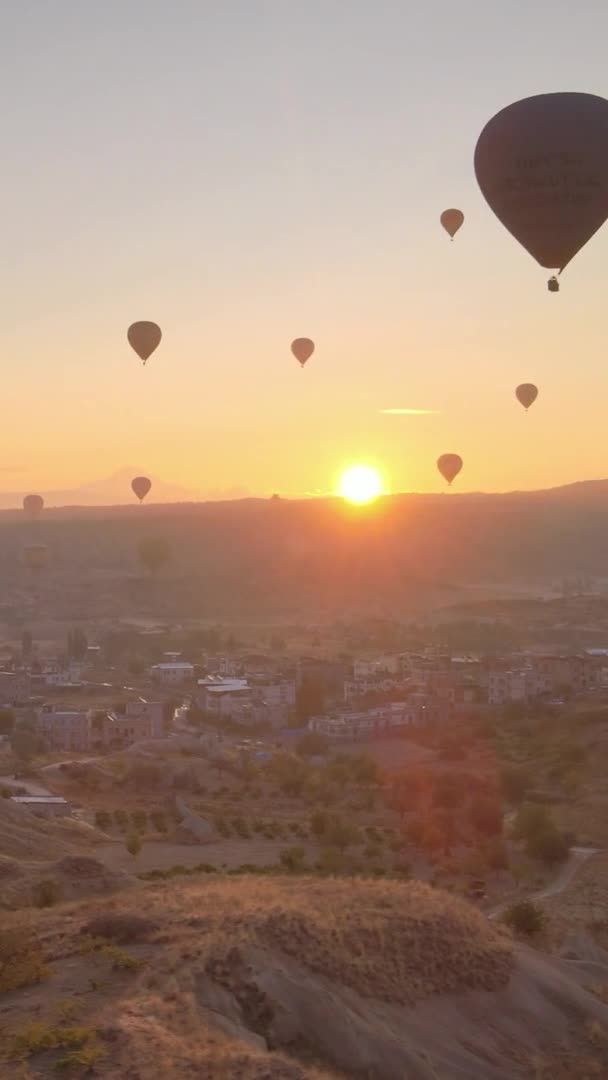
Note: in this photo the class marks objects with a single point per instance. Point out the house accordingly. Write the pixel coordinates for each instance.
(350, 725)
(15, 687)
(64, 729)
(573, 672)
(47, 806)
(141, 720)
(520, 686)
(172, 673)
(230, 698)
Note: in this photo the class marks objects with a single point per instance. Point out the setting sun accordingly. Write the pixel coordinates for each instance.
(360, 484)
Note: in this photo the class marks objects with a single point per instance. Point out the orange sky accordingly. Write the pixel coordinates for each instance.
(243, 179)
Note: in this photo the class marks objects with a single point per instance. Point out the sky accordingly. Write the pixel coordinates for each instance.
(246, 172)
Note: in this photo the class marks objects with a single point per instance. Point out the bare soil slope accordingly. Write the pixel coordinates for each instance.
(296, 978)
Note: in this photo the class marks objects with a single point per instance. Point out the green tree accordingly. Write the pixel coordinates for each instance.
(77, 644)
(293, 859)
(532, 818)
(153, 552)
(524, 918)
(550, 846)
(27, 645)
(133, 843)
(515, 783)
(7, 721)
(311, 744)
(310, 698)
(24, 744)
(486, 816)
(318, 823)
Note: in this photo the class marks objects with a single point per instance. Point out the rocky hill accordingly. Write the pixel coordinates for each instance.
(291, 978)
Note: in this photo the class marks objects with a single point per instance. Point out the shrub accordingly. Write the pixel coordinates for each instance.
(318, 823)
(550, 846)
(121, 819)
(293, 859)
(158, 821)
(103, 819)
(524, 917)
(133, 844)
(531, 819)
(46, 893)
(83, 1057)
(122, 928)
(139, 819)
(486, 816)
(21, 960)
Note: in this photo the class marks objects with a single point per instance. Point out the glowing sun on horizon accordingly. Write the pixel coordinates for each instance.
(360, 484)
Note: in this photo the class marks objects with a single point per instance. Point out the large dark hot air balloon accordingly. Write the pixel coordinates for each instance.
(449, 466)
(141, 486)
(542, 165)
(526, 394)
(451, 221)
(144, 337)
(302, 348)
(33, 505)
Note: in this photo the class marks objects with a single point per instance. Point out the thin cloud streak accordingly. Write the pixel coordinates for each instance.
(409, 412)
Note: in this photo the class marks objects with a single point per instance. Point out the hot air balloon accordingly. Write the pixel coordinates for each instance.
(302, 348)
(33, 504)
(449, 466)
(144, 337)
(542, 165)
(526, 394)
(141, 486)
(36, 556)
(451, 221)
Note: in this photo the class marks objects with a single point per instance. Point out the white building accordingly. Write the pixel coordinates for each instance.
(172, 673)
(517, 686)
(47, 806)
(64, 729)
(367, 722)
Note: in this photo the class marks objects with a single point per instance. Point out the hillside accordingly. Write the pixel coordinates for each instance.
(291, 979)
(257, 556)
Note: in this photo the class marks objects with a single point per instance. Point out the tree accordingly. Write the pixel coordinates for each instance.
(310, 698)
(515, 783)
(486, 816)
(524, 917)
(293, 859)
(27, 645)
(550, 846)
(318, 823)
(133, 843)
(7, 721)
(311, 744)
(531, 820)
(448, 791)
(153, 552)
(77, 644)
(340, 835)
(24, 744)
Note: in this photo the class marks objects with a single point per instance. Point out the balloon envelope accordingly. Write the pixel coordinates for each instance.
(302, 348)
(141, 486)
(451, 221)
(526, 394)
(33, 504)
(449, 466)
(144, 337)
(542, 165)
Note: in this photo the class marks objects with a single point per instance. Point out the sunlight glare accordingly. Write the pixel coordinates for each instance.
(360, 484)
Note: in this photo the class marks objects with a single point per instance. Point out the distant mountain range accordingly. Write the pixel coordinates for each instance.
(115, 490)
(256, 555)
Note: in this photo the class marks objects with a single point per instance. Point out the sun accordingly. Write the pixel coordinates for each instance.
(360, 484)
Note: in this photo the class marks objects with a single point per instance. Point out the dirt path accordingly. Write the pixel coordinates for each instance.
(576, 859)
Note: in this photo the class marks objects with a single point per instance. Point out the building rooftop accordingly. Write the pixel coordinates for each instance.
(55, 799)
(173, 665)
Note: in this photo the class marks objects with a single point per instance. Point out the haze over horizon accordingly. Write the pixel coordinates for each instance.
(243, 179)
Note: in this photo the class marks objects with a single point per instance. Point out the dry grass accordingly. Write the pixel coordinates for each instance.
(397, 942)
